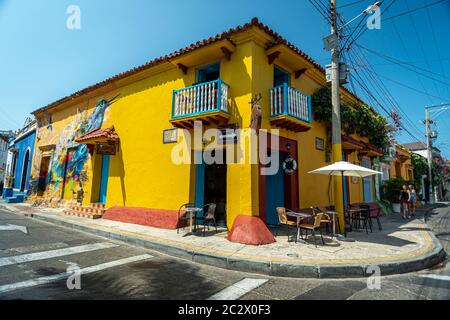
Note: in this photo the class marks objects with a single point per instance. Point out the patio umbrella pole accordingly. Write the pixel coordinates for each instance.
(339, 236)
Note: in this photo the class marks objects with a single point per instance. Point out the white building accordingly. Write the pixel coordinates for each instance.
(5, 136)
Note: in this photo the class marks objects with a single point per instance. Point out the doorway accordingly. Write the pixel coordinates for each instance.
(23, 181)
(208, 73)
(211, 186)
(104, 179)
(275, 193)
(43, 173)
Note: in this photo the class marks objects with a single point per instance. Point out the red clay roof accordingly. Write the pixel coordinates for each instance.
(224, 35)
(414, 146)
(108, 134)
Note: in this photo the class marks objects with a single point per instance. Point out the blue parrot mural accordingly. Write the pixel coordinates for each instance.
(70, 162)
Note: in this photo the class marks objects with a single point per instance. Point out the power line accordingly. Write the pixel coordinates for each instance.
(420, 44)
(363, 30)
(413, 10)
(323, 13)
(401, 64)
(433, 32)
(408, 87)
(384, 93)
(350, 4)
(382, 88)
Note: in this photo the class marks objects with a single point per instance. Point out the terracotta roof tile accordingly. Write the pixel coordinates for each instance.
(108, 134)
(166, 58)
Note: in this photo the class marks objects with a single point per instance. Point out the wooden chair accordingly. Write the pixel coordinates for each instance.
(283, 221)
(313, 228)
(182, 214)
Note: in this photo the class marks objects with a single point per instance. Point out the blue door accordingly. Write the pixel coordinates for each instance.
(104, 179)
(274, 195)
(367, 183)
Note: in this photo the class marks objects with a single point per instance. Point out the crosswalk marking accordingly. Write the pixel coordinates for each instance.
(237, 290)
(6, 261)
(65, 275)
(436, 276)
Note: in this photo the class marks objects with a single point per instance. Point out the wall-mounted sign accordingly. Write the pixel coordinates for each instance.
(228, 134)
(320, 144)
(170, 136)
(107, 149)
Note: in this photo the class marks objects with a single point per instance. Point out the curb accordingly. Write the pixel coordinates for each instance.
(270, 268)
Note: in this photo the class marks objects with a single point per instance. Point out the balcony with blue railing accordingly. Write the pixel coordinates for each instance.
(206, 102)
(290, 109)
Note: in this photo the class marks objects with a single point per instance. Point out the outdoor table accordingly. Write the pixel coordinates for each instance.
(192, 212)
(352, 212)
(334, 214)
(298, 215)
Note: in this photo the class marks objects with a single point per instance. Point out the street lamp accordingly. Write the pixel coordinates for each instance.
(369, 9)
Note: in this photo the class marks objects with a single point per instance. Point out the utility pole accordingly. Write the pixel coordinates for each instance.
(336, 116)
(429, 154)
(428, 121)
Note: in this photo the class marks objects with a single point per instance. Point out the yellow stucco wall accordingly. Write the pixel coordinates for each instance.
(142, 174)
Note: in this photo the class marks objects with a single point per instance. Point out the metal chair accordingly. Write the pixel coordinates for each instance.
(209, 216)
(182, 216)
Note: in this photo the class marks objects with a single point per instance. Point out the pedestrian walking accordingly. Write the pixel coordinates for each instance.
(412, 200)
(404, 198)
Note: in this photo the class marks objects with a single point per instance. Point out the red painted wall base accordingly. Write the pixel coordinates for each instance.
(250, 230)
(164, 219)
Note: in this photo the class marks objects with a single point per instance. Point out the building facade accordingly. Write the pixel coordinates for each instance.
(19, 162)
(4, 141)
(124, 142)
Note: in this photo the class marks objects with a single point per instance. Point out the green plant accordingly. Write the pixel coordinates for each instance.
(359, 119)
(420, 166)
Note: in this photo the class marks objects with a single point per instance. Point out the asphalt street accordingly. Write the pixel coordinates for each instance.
(34, 265)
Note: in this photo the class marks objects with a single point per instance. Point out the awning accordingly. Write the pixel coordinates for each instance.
(100, 136)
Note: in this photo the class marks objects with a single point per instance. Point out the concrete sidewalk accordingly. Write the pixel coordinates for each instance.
(402, 246)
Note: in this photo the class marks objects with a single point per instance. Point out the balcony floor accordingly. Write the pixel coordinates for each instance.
(207, 118)
(290, 123)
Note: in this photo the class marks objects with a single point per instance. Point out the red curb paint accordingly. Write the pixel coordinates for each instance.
(158, 218)
(250, 230)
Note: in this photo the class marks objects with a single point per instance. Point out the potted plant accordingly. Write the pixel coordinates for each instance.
(391, 192)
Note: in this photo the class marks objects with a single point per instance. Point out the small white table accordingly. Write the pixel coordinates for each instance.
(192, 212)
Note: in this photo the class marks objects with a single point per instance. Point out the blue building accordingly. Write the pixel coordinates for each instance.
(18, 167)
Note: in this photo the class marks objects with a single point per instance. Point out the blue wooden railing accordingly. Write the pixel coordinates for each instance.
(285, 100)
(200, 98)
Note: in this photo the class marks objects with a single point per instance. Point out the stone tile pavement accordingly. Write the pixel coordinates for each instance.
(401, 246)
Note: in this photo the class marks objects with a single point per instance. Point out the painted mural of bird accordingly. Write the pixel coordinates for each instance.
(97, 117)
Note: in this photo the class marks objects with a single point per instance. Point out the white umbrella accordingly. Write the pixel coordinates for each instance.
(346, 169)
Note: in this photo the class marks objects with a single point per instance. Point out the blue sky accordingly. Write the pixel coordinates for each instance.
(42, 61)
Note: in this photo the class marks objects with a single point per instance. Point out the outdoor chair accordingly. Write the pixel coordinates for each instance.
(313, 228)
(209, 216)
(326, 219)
(182, 216)
(375, 212)
(283, 221)
(362, 216)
